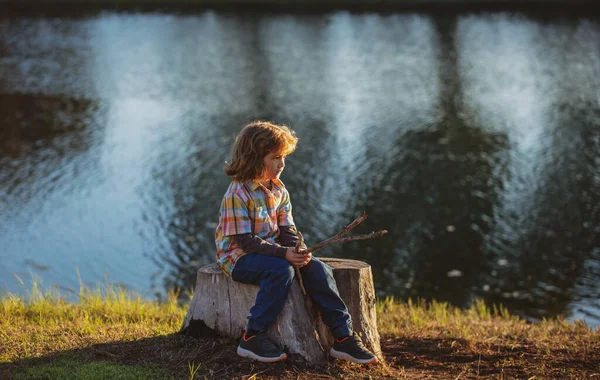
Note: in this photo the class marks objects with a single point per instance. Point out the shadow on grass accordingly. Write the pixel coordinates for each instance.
(176, 355)
(171, 355)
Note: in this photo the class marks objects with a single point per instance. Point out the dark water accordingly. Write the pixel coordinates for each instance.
(473, 138)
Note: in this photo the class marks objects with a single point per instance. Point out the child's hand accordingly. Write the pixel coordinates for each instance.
(297, 260)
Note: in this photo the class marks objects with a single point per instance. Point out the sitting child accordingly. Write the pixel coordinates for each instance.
(256, 240)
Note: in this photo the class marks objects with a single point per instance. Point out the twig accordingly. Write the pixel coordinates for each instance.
(298, 245)
(327, 242)
(334, 240)
(348, 227)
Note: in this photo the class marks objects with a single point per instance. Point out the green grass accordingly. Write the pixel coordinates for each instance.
(109, 332)
(45, 322)
(44, 325)
(80, 370)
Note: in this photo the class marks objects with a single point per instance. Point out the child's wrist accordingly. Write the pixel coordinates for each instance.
(281, 252)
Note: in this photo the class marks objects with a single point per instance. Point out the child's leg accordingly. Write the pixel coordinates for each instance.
(320, 285)
(274, 276)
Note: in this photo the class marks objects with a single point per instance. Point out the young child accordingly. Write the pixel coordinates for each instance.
(256, 239)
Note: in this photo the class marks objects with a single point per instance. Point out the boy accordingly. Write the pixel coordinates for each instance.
(256, 239)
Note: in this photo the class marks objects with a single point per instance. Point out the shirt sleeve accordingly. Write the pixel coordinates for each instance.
(254, 244)
(284, 211)
(289, 236)
(235, 217)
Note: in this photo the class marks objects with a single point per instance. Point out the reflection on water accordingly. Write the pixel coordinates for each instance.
(473, 138)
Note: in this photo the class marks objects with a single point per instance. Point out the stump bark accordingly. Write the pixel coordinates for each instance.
(220, 307)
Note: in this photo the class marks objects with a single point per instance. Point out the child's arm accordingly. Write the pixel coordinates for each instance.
(255, 244)
(289, 236)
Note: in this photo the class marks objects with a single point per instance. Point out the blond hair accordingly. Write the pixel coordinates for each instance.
(253, 143)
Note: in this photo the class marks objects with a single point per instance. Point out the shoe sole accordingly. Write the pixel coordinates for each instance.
(249, 354)
(345, 356)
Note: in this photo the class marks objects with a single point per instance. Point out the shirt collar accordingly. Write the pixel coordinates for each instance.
(255, 185)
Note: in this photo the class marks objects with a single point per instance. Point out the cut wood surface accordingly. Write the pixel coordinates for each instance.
(220, 307)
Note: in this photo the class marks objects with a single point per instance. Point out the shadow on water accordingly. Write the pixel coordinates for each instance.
(45, 141)
(444, 185)
(31, 121)
(78, 9)
(557, 254)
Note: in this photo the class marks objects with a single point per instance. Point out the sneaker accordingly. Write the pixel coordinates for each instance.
(351, 348)
(259, 347)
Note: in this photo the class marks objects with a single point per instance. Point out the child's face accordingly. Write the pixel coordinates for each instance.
(274, 164)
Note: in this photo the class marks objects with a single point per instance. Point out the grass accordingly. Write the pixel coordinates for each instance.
(110, 333)
(80, 370)
(482, 342)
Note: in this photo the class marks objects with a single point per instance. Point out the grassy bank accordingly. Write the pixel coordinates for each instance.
(111, 334)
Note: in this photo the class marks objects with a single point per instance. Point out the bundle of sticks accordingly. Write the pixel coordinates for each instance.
(336, 239)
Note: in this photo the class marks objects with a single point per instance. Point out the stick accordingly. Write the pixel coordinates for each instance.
(348, 227)
(336, 239)
(298, 245)
(327, 242)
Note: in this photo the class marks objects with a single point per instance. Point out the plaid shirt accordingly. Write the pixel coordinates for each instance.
(250, 208)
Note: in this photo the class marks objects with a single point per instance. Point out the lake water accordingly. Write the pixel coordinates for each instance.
(473, 138)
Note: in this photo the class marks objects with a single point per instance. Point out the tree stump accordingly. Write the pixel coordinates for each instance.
(220, 307)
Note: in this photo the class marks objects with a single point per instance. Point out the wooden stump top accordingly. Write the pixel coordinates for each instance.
(333, 262)
(336, 263)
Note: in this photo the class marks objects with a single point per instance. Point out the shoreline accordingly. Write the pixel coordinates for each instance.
(16, 7)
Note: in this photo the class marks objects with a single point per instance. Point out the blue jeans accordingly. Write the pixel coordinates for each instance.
(275, 277)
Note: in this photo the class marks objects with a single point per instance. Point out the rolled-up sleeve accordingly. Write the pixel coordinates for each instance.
(284, 211)
(289, 236)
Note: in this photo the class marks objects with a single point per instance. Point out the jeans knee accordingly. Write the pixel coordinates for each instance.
(318, 268)
(284, 273)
